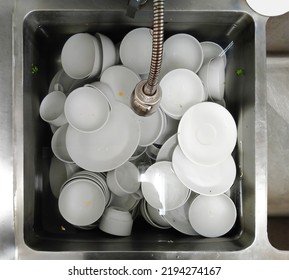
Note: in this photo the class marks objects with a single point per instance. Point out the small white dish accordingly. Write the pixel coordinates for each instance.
(207, 133)
(136, 49)
(81, 202)
(179, 218)
(109, 147)
(182, 51)
(208, 180)
(151, 128)
(122, 82)
(124, 179)
(87, 109)
(269, 8)
(161, 187)
(170, 128)
(181, 88)
(212, 216)
(166, 151)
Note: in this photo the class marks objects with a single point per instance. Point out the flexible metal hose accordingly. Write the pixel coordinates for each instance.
(157, 47)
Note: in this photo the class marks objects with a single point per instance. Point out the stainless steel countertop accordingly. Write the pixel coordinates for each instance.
(7, 242)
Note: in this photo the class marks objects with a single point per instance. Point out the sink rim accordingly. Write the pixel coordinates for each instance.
(261, 240)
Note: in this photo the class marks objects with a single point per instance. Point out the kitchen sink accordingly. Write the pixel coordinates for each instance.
(278, 131)
(40, 31)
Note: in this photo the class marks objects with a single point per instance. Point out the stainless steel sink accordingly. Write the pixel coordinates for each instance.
(40, 30)
(278, 131)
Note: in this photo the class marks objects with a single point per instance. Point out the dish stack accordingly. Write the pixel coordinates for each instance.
(111, 165)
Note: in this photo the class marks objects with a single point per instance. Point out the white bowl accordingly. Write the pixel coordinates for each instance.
(80, 55)
(161, 188)
(52, 108)
(122, 81)
(127, 202)
(207, 133)
(59, 172)
(81, 202)
(58, 144)
(181, 88)
(124, 179)
(208, 180)
(212, 216)
(182, 51)
(136, 50)
(170, 128)
(87, 109)
(116, 222)
(212, 50)
(212, 75)
(108, 51)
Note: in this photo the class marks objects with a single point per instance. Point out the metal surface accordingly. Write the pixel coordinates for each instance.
(278, 130)
(7, 242)
(38, 36)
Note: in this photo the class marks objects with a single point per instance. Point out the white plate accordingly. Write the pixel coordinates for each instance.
(161, 187)
(207, 133)
(207, 180)
(212, 216)
(179, 218)
(151, 128)
(81, 202)
(269, 8)
(166, 151)
(109, 147)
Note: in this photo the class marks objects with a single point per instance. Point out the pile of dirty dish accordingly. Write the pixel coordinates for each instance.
(174, 168)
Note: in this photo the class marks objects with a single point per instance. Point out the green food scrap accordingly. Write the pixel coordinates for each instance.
(34, 69)
(240, 72)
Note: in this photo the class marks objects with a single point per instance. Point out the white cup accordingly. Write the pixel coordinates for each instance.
(116, 222)
(212, 216)
(52, 108)
(123, 180)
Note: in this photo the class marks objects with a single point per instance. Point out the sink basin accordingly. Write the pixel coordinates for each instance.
(278, 131)
(40, 32)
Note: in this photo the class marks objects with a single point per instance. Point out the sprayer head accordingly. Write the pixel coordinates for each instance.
(144, 104)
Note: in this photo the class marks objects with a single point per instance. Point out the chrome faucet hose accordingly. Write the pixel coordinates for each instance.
(157, 48)
(146, 96)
